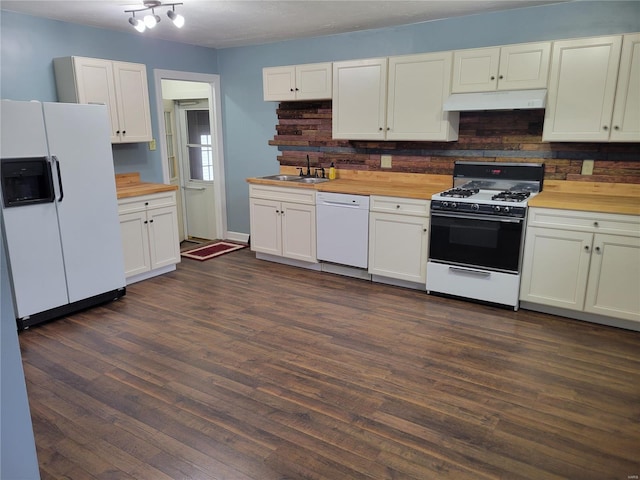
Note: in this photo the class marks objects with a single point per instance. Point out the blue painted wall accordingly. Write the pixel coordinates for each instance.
(250, 122)
(28, 45)
(17, 448)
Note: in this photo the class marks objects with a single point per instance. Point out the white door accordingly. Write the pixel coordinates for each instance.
(196, 165)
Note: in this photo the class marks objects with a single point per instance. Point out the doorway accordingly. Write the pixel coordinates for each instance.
(191, 147)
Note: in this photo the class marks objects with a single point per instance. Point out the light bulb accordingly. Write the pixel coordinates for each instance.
(176, 18)
(151, 20)
(137, 24)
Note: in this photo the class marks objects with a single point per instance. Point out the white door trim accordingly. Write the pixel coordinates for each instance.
(215, 120)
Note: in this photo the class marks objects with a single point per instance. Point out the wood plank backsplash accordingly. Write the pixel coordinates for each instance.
(304, 128)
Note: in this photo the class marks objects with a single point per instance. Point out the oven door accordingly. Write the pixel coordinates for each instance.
(476, 240)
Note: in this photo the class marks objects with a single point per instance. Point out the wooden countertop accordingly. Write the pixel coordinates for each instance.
(356, 182)
(129, 185)
(621, 198)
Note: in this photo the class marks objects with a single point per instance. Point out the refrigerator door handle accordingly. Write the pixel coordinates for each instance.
(55, 159)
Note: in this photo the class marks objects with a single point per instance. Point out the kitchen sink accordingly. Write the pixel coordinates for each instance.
(283, 178)
(310, 180)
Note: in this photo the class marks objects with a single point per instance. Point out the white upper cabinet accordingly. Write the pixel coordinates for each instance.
(418, 86)
(311, 81)
(582, 88)
(359, 99)
(626, 108)
(512, 67)
(121, 86)
(399, 98)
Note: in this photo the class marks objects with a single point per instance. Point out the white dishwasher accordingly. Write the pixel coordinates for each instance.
(342, 226)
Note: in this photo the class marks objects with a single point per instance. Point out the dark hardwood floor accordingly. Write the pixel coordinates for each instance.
(240, 369)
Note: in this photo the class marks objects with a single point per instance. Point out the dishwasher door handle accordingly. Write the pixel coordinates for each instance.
(340, 204)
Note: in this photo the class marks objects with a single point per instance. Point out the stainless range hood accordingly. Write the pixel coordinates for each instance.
(503, 100)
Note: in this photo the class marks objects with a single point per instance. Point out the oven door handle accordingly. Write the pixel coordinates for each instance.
(479, 216)
(480, 273)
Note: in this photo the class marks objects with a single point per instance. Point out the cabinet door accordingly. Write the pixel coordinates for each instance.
(265, 226)
(626, 110)
(313, 81)
(581, 91)
(94, 84)
(614, 277)
(418, 87)
(475, 70)
(132, 95)
(299, 231)
(398, 246)
(359, 99)
(278, 83)
(524, 66)
(164, 245)
(555, 267)
(135, 243)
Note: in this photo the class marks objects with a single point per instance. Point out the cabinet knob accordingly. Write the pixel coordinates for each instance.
(605, 128)
(501, 77)
(597, 249)
(117, 132)
(380, 128)
(424, 230)
(616, 127)
(278, 211)
(124, 132)
(586, 248)
(493, 77)
(297, 89)
(388, 128)
(146, 203)
(291, 89)
(595, 224)
(397, 206)
(145, 222)
(151, 221)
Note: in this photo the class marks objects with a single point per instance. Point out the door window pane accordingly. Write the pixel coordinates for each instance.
(199, 146)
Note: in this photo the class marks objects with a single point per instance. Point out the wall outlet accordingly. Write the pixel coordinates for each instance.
(385, 161)
(152, 145)
(587, 167)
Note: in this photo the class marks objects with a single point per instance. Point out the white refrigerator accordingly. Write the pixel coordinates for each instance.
(64, 247)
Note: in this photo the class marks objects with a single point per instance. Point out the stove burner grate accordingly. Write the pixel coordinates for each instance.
(511, 196)
(460, 192)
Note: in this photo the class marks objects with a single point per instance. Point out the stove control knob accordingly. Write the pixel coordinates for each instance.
(475, 206)
(497, 208)
(454, 204)
(445, 204)
(506, 209)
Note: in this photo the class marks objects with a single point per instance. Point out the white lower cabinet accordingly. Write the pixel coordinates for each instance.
(283, 222)
(149, 226)
(583, 261)
(398, 238)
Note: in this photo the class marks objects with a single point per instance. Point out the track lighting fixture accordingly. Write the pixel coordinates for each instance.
(150, 20)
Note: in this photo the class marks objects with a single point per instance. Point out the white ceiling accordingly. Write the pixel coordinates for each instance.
(233, 23)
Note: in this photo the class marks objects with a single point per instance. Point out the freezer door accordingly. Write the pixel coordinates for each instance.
(31, 232)
(79, 138)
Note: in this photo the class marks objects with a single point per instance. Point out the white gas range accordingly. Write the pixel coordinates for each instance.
(477, 231)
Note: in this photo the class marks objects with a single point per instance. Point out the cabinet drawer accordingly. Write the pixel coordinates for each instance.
(283, 194)
(585, 221)
(142, 202)
(404, 206)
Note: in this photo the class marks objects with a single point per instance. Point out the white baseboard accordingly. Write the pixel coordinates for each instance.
(237, 237)
(150, 274)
